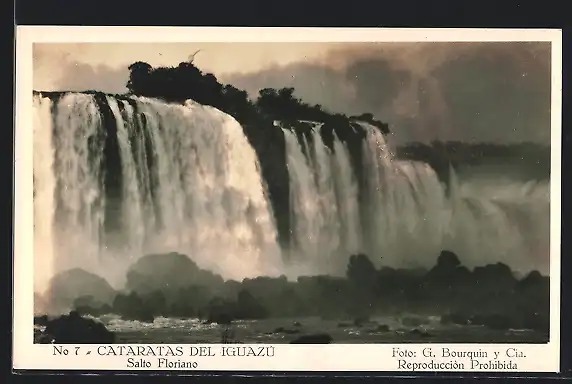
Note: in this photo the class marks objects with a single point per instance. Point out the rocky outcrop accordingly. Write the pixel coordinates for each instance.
(133, 307)
(533, 321)
(168, 273)
(72, 329)
(68, 286)
(318, 338)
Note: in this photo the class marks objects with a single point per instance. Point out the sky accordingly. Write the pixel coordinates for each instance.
(476, 92)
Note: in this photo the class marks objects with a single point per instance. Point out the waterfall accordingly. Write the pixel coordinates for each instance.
(406, 216)
(158, 178)
(405, 205)
(324, 204)
(44, 192)
(116, 178)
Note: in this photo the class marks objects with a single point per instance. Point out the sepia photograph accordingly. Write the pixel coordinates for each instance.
(291, 192)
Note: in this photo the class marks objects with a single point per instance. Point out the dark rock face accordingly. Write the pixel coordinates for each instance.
(74, 329)
(172, 285)
(87, 305)
(488, 296)
(501, 321)
(219, 318)
(537, 322)
(246, 307)
(220, 311)
(70, 285)
(318, 338)
(132, 307)
(167, 273)
(41, 320)
(286, 331)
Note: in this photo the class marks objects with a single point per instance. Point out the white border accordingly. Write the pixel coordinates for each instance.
(354, 357)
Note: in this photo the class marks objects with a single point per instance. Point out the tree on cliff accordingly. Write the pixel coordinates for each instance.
(186, 81)
(278, 103)
(139, 75)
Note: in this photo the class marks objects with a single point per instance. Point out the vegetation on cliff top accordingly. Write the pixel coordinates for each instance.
(186, 81)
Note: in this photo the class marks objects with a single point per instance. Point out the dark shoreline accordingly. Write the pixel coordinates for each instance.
(283, 331)
(172, 286)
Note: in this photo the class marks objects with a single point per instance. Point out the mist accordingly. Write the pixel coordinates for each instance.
(472, 92)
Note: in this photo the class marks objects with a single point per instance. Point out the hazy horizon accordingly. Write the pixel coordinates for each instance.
(471, 92)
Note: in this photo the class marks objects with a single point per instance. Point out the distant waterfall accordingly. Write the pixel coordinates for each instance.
(405, 216)
(161, 178)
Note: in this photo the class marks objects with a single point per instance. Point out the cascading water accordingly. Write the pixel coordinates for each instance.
(118, 178)
(324, 204)
(184, 178)
(501, 219)
(406, 215)
(44, 189)
(405, 206)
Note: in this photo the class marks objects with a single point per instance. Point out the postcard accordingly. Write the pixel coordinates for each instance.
(287, 199)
